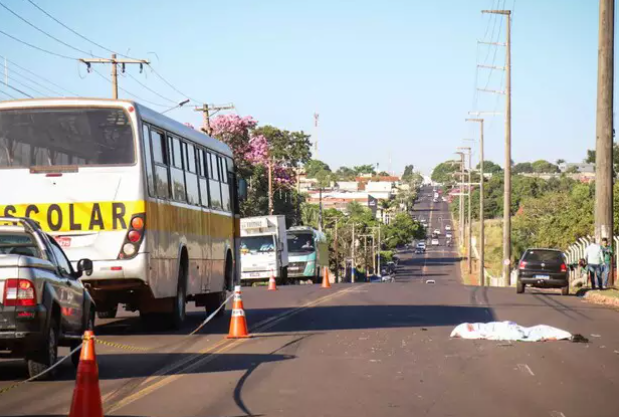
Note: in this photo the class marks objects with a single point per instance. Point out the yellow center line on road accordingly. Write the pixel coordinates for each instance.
(160, 380)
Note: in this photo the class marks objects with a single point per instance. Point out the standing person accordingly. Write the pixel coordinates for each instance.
(607, 256)
(593, 254)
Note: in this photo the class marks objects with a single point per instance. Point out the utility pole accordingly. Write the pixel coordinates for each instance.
(507, 189)
(270, 185)
(206, 110)
(352, 249)
(379, 248)
(316, 117)
(337, 256)
(461, 199)
(469, 252)
(114, 61)
(604, 126)
(481, 201)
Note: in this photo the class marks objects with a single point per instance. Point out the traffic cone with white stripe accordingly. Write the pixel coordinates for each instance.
(272, 283)
(238, 323)
(325, 278)
(87, 395)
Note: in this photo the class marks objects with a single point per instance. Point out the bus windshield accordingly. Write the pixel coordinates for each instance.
(257, 244)
(301, 243)
(40, 137)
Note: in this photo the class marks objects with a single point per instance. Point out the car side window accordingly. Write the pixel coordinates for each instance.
(63, 263)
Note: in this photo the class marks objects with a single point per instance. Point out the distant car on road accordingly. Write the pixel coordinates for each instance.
(437, 232)
(435, 242)
(448, 235)
(447, 227)
(543, 268)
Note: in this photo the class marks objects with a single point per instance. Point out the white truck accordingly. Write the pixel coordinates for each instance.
(264, 249)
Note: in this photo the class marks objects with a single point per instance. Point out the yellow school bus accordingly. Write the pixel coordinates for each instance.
(152, 202)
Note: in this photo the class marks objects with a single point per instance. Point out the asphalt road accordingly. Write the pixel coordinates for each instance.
(355, 350)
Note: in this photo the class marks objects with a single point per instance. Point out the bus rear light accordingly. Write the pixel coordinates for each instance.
(137, 223)
(129, 249)
(19, 292)
(134, 236)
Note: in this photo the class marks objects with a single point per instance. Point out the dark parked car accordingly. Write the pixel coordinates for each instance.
(43, 304)
(543, 268)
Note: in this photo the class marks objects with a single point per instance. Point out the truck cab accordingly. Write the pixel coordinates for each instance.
(264, 249)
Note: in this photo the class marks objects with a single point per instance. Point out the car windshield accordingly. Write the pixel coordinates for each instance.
(12, 243)
(549, 256)
(44, 137)
(300, 242)
(257, 244)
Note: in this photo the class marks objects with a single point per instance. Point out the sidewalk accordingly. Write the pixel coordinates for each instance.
(607, 297)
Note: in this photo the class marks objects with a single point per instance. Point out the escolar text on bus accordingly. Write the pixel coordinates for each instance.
(75, 217)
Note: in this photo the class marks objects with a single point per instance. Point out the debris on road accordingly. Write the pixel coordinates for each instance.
(508, 330)
(430, 281)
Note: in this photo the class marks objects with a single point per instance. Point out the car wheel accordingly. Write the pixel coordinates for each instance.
(179, 312)
(108, 314)
(46, 356)
(565, 290)
(520, 287)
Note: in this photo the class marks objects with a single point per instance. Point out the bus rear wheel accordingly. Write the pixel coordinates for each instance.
(180, 301)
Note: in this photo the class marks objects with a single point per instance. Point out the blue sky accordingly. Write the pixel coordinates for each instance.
(387, 77)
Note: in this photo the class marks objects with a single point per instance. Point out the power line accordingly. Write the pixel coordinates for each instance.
(129, 92)
(43, 32)
(38, 48)
(8, 95)
(37, 83)
(8, 77)
(151, 90)
(18, 90)
(38, 76)
(76, 32)
(171, 86)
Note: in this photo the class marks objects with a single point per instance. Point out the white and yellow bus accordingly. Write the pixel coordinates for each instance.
(151, 201)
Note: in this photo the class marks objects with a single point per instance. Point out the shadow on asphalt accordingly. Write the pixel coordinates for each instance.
(137, 365)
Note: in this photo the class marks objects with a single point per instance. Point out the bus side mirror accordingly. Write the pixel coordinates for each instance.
(242, 189)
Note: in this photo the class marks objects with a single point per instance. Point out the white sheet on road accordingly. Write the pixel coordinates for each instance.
(508, 330)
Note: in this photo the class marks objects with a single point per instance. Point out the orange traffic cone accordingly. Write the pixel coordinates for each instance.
(238, 323)
(272, 283)
(86, 395)
(325, 278)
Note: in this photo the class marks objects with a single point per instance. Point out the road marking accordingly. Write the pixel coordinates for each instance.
(556, 414)
(525, 368)
(225, 345)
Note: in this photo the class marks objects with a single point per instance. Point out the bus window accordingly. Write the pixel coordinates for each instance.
(202, 180)
(162, 188)
(213, 183)
(148, 161)
(225, 190)
(177, 176)
(191, 177)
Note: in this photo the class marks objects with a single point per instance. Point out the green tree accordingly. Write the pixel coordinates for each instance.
(408, 173)
(402, 229)
(522, 168)
(560, 161)
(572, 170)
(490, 167)
(383, 174)
(345, 174)
(443, 172)
(590, 159)
(364, 169)
(544, 167)
(289, 148)
(313, 166)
